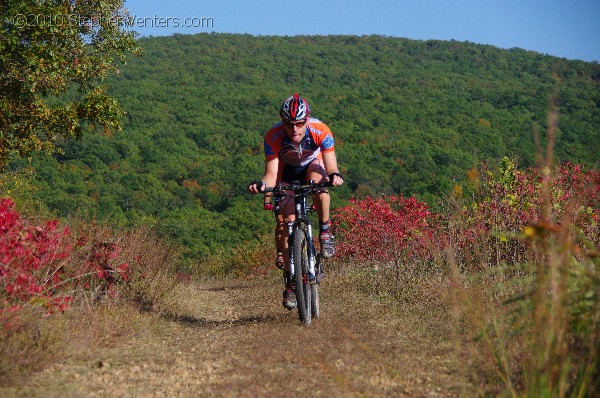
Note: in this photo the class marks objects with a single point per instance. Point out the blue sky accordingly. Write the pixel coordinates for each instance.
(565, 28)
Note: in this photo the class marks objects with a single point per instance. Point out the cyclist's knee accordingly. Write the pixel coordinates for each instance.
(316, 171)
(280, 226)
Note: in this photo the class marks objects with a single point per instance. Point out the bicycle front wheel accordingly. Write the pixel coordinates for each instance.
(314, 302)
(303, 288)
(316, 312)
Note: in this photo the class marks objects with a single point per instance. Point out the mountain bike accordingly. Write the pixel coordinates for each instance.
(306, 265)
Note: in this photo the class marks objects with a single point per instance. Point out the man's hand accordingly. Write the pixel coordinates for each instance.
(336, 179)
(256, 187)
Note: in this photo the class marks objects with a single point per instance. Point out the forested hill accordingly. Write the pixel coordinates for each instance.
(409, 117)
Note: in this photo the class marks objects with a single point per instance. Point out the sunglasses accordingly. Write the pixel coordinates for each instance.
(298, 123)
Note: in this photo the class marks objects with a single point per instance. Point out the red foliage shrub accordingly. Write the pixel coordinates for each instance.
(490, 230)
(384, 229)
(46, 265)
(511, 206)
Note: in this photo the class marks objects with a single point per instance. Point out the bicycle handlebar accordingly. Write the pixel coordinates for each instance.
(296, 187)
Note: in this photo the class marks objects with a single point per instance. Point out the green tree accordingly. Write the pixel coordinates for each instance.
(54, 56)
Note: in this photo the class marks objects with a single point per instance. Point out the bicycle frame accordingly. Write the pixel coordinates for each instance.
(301, 210)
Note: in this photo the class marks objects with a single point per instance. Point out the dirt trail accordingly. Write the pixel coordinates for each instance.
(235, 339)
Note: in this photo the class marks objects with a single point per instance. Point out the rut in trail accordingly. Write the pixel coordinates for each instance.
(233, 338)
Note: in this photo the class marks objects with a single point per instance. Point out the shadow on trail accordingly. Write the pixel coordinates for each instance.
(189, 320)
(225, 288)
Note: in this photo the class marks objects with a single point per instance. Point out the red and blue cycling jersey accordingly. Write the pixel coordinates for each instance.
(317, 140)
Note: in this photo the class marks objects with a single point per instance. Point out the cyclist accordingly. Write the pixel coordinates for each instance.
(299, 148)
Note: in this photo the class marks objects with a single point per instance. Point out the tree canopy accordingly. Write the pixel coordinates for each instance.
(54, 56)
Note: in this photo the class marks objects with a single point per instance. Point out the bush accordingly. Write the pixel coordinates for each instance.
(511, 206)
(38, 264)
(47, 267)
(384, 229)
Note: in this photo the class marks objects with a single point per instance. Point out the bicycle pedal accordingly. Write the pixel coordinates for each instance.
(319, 279)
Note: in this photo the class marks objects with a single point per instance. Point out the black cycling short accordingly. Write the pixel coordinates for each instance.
(294, 173)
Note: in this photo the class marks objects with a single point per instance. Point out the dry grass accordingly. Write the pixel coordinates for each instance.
(254, 257)
(521, 330)
(532, 331)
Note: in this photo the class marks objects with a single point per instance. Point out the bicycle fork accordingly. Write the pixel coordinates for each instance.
(311, 254)
(290, 274)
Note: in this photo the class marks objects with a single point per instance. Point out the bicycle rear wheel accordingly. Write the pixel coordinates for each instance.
(303, 287)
